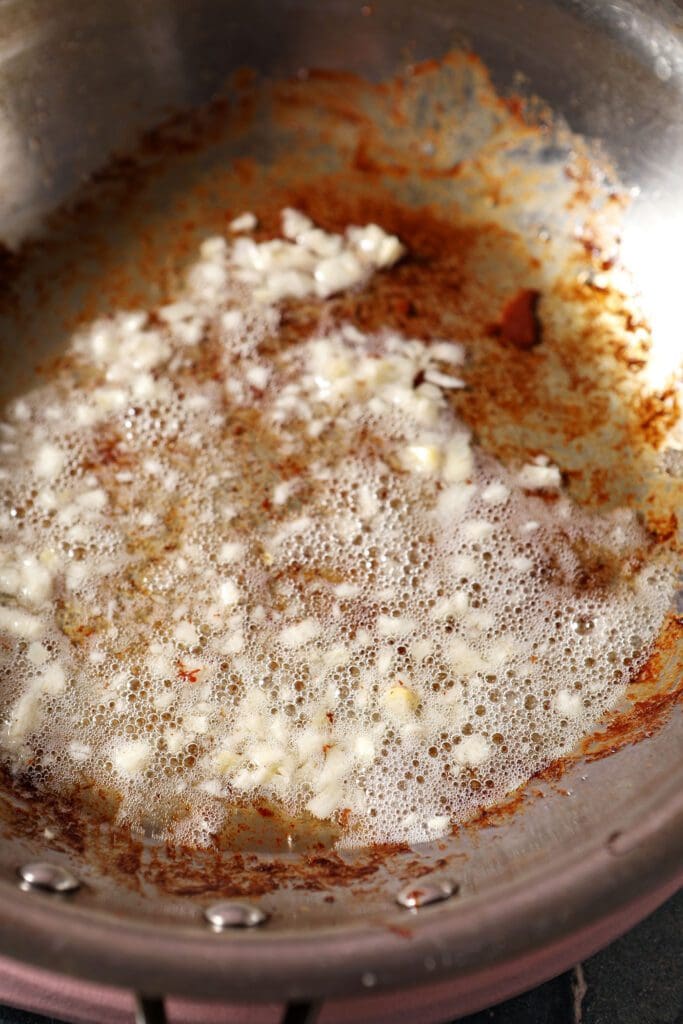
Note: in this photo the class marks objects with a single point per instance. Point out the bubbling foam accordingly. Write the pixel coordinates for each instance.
(230, 575)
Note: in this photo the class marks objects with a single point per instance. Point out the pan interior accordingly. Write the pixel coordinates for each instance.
(525, 201)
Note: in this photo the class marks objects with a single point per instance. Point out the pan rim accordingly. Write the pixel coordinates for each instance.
(546, 925)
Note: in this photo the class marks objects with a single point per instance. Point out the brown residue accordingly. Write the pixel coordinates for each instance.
(367, 161)
(599, 568)
(190, 675)
(658, 414)
(184, 871)
(520, 324)
(497, 815)
(663, 526)
(649, 706)
(110, 451)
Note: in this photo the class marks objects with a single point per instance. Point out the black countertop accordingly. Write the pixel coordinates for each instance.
(636, 980)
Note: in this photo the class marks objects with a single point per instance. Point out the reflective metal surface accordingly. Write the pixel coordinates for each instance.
(424, 894)
(42, 875)
(78, 82)
(229, 914)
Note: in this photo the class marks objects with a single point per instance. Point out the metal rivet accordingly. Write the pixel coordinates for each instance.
(422, 894)
(234, 915)
(48, 877)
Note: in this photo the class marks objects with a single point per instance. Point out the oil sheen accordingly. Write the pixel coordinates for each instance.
(235, 569)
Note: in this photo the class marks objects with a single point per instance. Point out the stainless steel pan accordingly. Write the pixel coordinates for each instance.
(529, 892)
